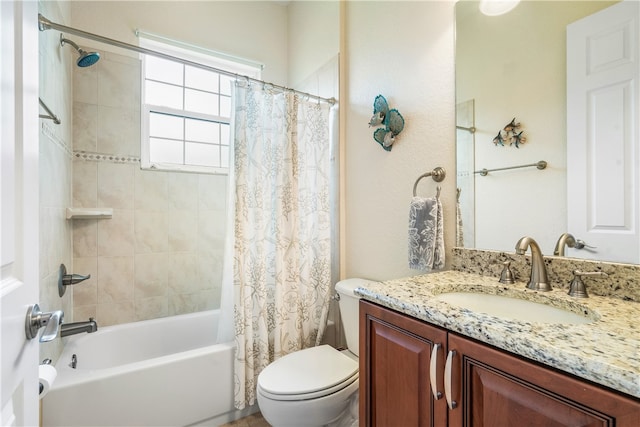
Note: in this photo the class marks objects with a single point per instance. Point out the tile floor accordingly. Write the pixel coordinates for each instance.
(253, 420)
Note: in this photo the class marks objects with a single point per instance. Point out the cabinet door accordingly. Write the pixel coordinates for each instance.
(498, 389)
(395, 358)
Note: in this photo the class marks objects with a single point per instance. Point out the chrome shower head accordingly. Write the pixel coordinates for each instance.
(86, 59)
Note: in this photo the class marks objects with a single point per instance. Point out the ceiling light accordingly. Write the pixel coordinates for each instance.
(497, 7)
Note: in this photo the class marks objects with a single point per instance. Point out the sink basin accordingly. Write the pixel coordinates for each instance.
(512, 308)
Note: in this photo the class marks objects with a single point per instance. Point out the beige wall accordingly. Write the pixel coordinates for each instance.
(403, 50)
(313, 38)
(255, 30)
(55, 170)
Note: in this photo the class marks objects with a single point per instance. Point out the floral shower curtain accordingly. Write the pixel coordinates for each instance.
(282, 241)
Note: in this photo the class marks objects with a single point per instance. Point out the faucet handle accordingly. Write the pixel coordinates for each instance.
(72, 279)
(577, 287)
(65, 279)
(506, 276)
(581, 244)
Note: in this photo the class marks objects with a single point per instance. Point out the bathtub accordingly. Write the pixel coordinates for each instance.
(161, 372)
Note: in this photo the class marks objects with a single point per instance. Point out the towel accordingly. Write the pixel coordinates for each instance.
(426, 234)
(459, 226)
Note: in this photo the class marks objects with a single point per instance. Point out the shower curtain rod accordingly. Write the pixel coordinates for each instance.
(45, 24)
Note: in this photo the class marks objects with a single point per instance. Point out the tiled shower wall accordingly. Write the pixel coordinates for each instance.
(161, 253)
(55, 70)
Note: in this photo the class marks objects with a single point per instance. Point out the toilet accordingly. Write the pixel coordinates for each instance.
(316, 386)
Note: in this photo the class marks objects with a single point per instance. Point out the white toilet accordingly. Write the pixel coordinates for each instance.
(317, 386)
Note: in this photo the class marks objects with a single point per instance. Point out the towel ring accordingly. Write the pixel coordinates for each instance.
(437, 174)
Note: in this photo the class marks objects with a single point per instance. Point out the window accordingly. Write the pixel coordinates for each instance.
(186, 110)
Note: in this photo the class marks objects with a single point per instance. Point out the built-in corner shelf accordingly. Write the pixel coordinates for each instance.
(89, 213)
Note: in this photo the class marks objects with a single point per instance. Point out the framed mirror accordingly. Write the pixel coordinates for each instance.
(514, 66)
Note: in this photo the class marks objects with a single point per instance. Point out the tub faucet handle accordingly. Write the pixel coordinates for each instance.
(65, 279)
(72, 279)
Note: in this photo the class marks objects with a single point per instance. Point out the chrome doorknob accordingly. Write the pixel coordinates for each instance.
(36, 319)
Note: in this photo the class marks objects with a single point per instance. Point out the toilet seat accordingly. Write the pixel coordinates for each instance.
(308, 374)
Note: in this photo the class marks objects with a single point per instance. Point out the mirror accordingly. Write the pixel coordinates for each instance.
(513, 66)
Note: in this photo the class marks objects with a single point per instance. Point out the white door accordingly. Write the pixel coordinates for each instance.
(18, 210)
(603, 142)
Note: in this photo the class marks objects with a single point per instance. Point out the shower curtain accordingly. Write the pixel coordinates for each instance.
(281, 269)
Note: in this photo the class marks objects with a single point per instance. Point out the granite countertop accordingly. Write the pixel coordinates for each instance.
(605, 351)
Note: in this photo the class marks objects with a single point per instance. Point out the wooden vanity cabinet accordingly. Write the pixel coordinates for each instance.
(490, 387)
(395, 358)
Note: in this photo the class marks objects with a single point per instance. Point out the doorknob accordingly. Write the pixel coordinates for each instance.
(36, 319)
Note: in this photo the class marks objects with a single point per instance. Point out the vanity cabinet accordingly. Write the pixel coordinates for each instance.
(405, 362)
(395, 359)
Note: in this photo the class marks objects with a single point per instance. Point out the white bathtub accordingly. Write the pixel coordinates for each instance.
(161, 372)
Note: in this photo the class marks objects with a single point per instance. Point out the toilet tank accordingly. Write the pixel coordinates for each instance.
(349, 310)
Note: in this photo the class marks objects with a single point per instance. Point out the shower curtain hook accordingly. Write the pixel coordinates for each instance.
(438, 188)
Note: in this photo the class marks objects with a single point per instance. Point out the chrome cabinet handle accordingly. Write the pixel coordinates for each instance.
(447, 380)
(433, 368)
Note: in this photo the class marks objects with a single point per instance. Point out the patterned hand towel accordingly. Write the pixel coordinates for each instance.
(459, 226)
(426, 234)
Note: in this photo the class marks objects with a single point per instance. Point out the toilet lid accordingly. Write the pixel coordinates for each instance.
(312, 372)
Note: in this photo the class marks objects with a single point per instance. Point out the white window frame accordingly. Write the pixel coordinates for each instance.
(198, 55)
(145, 148)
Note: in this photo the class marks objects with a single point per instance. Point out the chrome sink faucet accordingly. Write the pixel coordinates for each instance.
(89, 326)
(566, 239)
(538, 280)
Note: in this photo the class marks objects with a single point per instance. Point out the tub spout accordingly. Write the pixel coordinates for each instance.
(89, 326)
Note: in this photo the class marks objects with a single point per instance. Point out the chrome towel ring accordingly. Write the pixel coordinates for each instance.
(438, 174)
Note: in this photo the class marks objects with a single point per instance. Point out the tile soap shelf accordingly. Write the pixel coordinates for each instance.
(89, 213)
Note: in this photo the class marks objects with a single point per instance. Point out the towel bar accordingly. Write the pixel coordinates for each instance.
(49, 114)
(540, 165)
(437, 175)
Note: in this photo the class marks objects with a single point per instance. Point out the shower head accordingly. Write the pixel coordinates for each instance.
(86, 59)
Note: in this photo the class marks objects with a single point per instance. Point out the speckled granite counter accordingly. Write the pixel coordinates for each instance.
(605, 351)
(623, 281)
